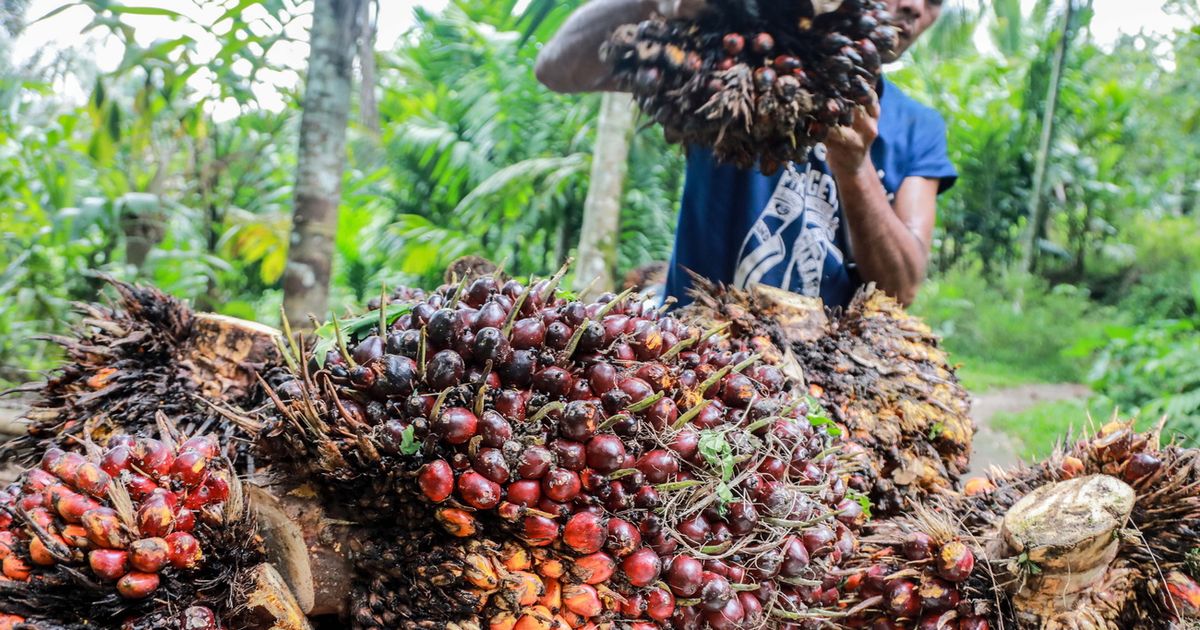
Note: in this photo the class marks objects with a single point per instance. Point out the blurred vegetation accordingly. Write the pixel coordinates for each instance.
(140, 178)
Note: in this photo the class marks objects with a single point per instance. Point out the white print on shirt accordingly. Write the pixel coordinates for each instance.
(812, 197)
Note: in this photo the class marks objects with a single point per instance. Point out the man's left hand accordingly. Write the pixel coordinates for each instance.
(850, 147)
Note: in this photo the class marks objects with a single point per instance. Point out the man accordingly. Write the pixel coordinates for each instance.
(861, 209)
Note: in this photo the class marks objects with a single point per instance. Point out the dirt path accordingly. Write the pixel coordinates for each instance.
(994, 448)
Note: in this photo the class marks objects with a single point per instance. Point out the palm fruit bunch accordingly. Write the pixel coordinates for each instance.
(519, 459)
(149, 353)
(1101, 535)
(759, 82)
(149, 533)
(879, 372)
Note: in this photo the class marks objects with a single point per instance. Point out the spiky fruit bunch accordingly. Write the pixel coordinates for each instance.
(150, 353)
(128, 536)
(759, 82)
(1103, 534)
(533, 461)
(878, 370)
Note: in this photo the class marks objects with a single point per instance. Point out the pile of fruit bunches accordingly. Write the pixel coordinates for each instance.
(134, 521)
(589, 464)
(759, 83)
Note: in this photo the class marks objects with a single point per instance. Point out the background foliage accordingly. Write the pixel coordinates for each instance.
(140, 178)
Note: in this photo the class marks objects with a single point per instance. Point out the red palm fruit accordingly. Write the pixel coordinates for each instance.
(695, 529)
(534, 462)
(685, 575)
(536, 618)
(457, 522)
(605, 453)
(149, 554)
(14, 568)
(67, 466)
(190, 468)
(490, 463)
(937, 595)
(973, 623)
(206, 445)
(737, 390)
(582, 599)
(734, 44)
(795, 558)
(478, 491)
(569, 455)
(539, 531)
(686, 443)
(436, 480)
(1072, 467)
(108, 564)
(139, 486)
(525, 493)
(91, 479)
(552, 568)
(642, 567)
(579, 420)
(502, 621)
(955, 561)
(72, 506)
(185, 520)
(552, 597)
(218, 487)
(647, 498)
(637, 389)
(528, 333)
(1184, 594)
(40, 554)
(603, 377)
(752, 606)
(660, 604)
(456, 425)
(116, 459)
(728, 617)
(585, 533)
(623, 537)
(155, 517)
(917, 546)
(715, 592)
(137, 585)
(633, 607)
(561, 485)
(184, 551)
(594, 568)
(494, 429)
(76, 536)
(742, 517)
(902, 600)
(50, 459)
(36, 481)
(553, 381)
(104, 528)
(658, 465)
(647, 342)
(662, 414)
(977, 486)
(153, 457)
(1141, 465)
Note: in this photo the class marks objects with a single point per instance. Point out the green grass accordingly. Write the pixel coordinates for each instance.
(981, 375)
(1038, 429)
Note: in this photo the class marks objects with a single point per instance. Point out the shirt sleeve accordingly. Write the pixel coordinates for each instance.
(931, 158)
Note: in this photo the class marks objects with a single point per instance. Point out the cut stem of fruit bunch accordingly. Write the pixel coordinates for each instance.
(759, 82)
(520, 459)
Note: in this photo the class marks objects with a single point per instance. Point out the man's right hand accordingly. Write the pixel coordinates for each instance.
(681, 9)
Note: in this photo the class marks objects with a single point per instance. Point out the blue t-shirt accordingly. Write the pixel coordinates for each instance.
(787, 230)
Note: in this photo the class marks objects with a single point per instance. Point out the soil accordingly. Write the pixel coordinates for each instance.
(994, 448)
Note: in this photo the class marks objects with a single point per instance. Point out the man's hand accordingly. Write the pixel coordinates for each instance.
(850, 147)
(681, 9)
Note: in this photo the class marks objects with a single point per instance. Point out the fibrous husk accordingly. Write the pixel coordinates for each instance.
(144, 354)
(880, 372)
(758, 82)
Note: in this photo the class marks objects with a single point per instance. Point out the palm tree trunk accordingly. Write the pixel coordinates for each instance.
(322, 158)
(1037, 209)
(368, 105)
(602, 209)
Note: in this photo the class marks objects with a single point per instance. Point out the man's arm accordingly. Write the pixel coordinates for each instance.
(570, 62)
(890, 243)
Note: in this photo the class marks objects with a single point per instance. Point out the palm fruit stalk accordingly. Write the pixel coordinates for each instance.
(520, 459)
(879, 372)
(150, 353)
(759, 82)
(148, 533)
(1103, 534)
